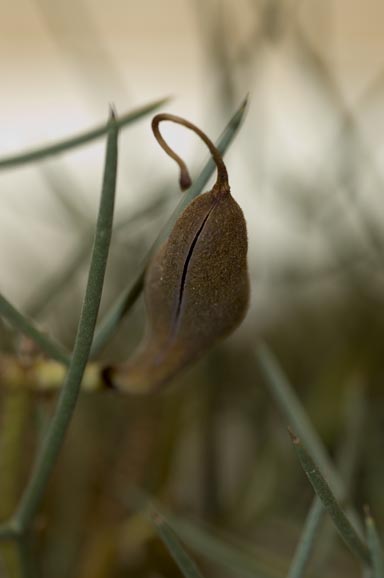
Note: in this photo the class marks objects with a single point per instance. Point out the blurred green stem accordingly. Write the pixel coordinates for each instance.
(296, 416)
(81, 139)
(48, 454)
(27, 327)
(323, 491)
(348, 455)
(307, 541)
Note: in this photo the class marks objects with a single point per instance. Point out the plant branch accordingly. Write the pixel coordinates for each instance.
(26, 326)
(60, 421)
(76, 141)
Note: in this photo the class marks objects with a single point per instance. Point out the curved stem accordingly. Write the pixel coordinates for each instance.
(185, 179)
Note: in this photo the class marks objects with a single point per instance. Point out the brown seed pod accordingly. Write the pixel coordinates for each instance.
(196, 285)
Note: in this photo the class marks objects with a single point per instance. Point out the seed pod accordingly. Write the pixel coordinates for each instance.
(196, 286)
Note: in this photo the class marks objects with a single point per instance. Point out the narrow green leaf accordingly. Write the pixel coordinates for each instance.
(127, 299)
(347, 456)
(296, 416)
(76, 141)
(60, 421)
(178, 553)
(306, 544)
(324, 492)
(239, 560)
(374, 546)
(27, 327)
(295, 413)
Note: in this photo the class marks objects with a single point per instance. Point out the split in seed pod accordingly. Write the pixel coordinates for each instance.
(196, 285)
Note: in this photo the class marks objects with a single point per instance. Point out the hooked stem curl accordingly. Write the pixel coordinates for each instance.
(185, 179)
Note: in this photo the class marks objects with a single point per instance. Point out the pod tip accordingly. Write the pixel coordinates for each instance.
(185, 180)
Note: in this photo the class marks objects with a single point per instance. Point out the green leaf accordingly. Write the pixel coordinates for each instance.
(239, 560)
(178, 553)
(307, 540)
(27, 327)
(324, 492)
(76, 141)
(60, 421)
(296, 416)
(295, 413)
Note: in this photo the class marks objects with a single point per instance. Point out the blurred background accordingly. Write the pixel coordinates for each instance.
(306, 167)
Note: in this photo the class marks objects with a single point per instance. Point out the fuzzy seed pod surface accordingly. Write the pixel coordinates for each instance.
(196, 291)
